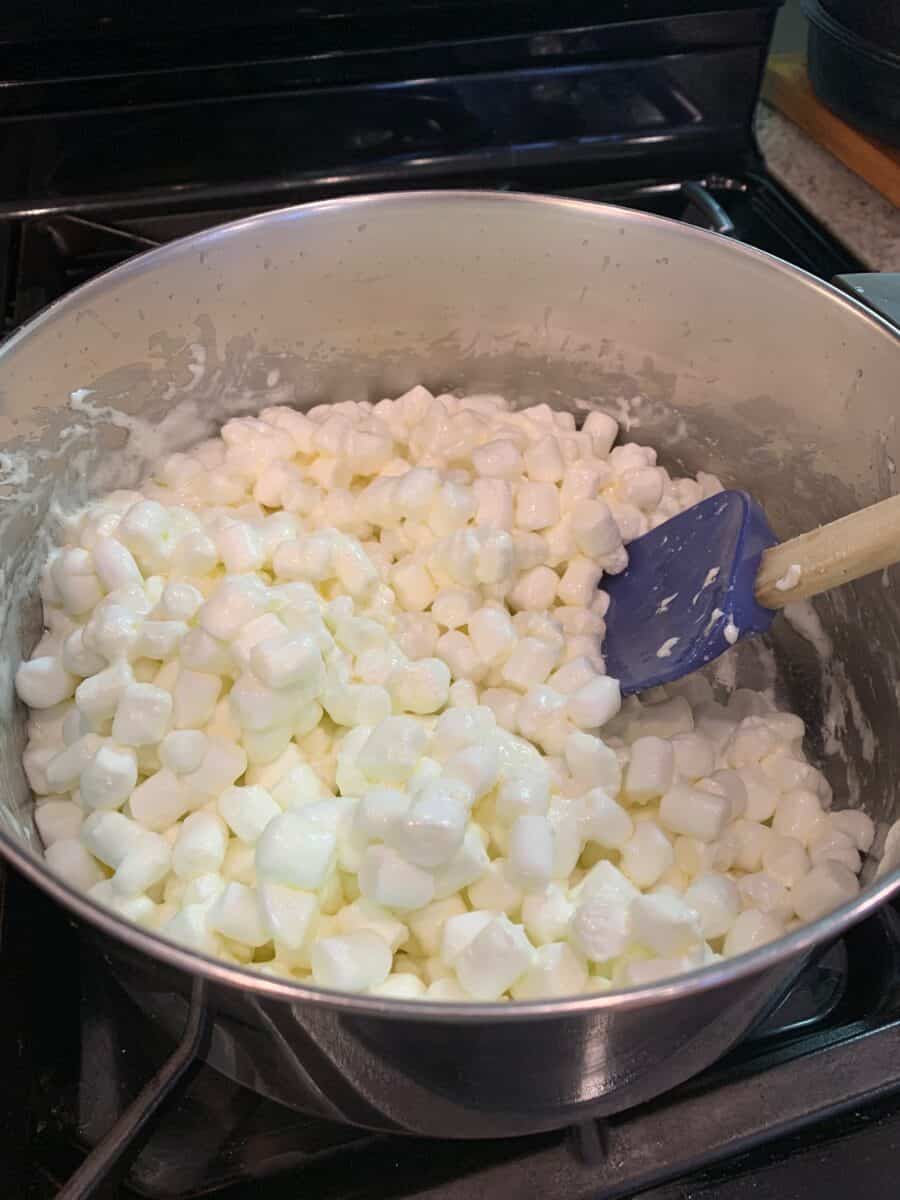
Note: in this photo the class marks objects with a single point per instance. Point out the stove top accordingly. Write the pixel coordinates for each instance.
(809, 1096)
(120, 132)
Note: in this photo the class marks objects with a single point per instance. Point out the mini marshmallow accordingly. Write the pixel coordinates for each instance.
(109, 778)
(296, 851)
(142, 715)
(97, 698)
(694, 813)
(420, 687)
(492, 635)
(751, 929)
(529, 663)
(363, 914)
(546, 914)
(145, 864)
(236, 915)
(592, 763)
(494, 959)
(287, 914)
(716, 901)
(160, 800)
(599, 927)
(523, 793)
(495, 890)
(856, 825)
(199, 846)
(798, 814)
(247, 811)
(43, 682)
(537, 506)
(785, 859)
(427, 925)
(530, 855)
(109, 836)
(182, 750)
(827, 886)
(377, 811)
(650, 769)
(400, 986)
(647, 855)
(73, 863)
(58, 820)
(352, 962)
(431, 831)
(223, 763)
(389, 880)
(595, 703)
(468, 865)
(391, 750)
(63, 770)
(664, 924)
(604, 821)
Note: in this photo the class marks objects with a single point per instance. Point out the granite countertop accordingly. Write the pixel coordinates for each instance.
(861, 217)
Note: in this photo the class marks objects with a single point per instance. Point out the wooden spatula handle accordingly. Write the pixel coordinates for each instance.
(826, 557)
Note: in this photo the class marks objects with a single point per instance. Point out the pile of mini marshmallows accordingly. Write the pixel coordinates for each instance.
(326, 698)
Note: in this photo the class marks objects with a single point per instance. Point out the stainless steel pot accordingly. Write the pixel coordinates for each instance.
(724, 358)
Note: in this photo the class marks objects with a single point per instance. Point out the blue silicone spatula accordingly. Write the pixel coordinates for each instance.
(716, 574)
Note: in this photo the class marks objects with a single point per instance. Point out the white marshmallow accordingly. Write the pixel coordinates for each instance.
(63, 770)
(665, 924)
(352, 962)
(43, 682)
(182, 750)
(751, 929)
(546, 914)
(531, 847)
(70, 860)
(392, 749)
(431, 831)
(389, 880)
(296, 851)
(109, 836)
(160, 800)
(604, 821)
(537, 506)
(494, 959)
(145, 864)
(717, 901)
(109, 778)
(420, 687)
(694, 813)
(826, 887)
(495, 890)
(647, 855)
(287, 914)
(595, 703)
(199, 846)
(58, 821)
(236, 915)
(142, 715)
(247, 811)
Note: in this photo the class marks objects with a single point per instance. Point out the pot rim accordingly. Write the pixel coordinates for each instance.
(218, 972)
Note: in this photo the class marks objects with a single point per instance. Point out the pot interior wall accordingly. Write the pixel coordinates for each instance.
(721, 359)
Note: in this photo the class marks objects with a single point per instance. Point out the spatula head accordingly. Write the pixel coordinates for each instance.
(687, 593)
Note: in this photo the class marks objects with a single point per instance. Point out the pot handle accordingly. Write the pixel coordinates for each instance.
(879, 291)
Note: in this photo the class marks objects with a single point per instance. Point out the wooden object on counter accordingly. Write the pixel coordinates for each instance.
(786, 87)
